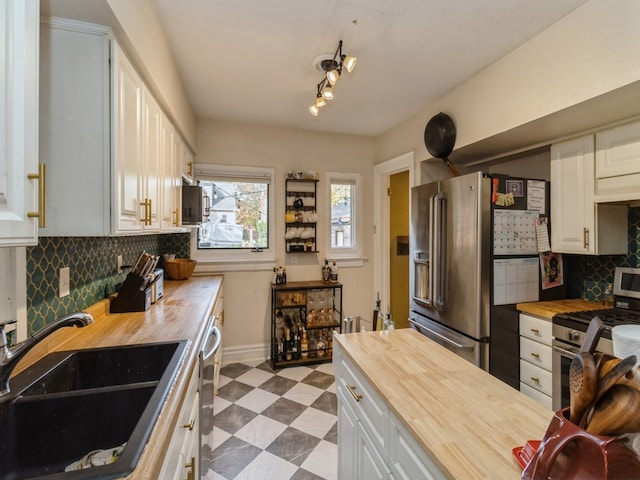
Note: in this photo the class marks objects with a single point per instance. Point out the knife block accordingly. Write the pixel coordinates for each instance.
(133, 295)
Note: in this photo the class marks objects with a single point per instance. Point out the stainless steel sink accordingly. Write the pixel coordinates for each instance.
(70, 403)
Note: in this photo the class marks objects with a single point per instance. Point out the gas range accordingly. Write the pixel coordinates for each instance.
(609, 316)
(570, 327)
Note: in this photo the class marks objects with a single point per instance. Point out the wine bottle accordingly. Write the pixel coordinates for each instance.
(304, 345)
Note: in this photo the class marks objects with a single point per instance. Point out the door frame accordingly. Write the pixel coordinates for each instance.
(382, 172)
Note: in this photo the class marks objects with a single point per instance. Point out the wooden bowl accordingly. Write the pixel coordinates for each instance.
(179, 268)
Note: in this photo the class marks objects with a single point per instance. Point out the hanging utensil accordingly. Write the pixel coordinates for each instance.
(440, 138)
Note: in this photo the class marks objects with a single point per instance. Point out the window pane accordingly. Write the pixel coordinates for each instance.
(341, 215)
(238, 216)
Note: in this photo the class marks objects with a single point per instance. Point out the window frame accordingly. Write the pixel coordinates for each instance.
(230, 259)
(355, 251)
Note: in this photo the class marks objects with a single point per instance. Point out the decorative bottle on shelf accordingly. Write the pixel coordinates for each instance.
(274, 278)
(334, 273)
(304, 345)
(284, 275)
(326, 271)
(295, 350)
(287, 344)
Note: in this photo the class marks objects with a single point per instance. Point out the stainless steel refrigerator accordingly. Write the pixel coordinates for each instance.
(460, 241)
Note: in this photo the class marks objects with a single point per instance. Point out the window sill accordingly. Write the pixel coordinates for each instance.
(209, 266)
(348, 262)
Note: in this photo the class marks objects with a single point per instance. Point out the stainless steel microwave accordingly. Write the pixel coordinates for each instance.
(193, 208)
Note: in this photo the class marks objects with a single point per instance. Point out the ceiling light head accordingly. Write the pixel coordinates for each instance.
(320, 102)
(333, 76)
(327, 93)
(314, 110)
(349, 62)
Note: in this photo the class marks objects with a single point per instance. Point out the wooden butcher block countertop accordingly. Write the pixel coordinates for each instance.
(466, 420)
(550, 308)
(180, 314)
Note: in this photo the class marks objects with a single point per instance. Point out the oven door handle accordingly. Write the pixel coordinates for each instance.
(440, 336)
(212, 331)
(564, 352)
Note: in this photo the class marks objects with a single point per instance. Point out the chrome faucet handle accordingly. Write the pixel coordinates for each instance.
(3, 336)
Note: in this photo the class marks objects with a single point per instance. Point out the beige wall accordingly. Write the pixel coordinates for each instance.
(247, 294)
(592, 51)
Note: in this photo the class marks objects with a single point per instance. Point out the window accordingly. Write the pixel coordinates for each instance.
(343, 209)
(238, 222)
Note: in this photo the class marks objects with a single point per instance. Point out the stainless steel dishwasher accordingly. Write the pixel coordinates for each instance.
(207, 388)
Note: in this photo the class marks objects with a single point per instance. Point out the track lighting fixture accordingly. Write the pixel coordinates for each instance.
(333, 69)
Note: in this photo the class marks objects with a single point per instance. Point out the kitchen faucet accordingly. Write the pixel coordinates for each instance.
(9, 357)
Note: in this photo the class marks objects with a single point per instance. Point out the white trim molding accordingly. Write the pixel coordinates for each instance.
(382, 172)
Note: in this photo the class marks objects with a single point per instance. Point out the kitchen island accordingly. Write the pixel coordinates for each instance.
(181, 314)
(423, 412)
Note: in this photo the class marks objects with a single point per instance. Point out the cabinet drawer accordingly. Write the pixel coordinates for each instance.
(370, 408)
(537, 395)
(537, 329)
(536, 353)
(535, 377)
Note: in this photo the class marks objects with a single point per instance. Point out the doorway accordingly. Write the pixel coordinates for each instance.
(392, 221)
(399, 192)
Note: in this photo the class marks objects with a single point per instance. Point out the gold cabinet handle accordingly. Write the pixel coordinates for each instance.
(536, 356)
(535, 379)
(41, 177)
(175, 217)
(189, 425)
(191, 466)
(352, 391)
(146, 218)
(190, 171)
(585, 237)
(535, 331)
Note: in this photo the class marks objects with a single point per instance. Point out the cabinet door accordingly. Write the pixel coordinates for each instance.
(170, 175)
(186, 161)
(618, 164)
(348, 435)
(19, 24)
(371, 465)
(572, 204)
(151, 174)
(128, 146)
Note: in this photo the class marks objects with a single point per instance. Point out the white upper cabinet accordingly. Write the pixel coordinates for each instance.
(102, 132)
(133, 209)
(169, 219)
(579, 225)
(21, 179)
(618, 164)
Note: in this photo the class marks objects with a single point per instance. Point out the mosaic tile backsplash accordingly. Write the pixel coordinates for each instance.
(588, 275)
(92, 263)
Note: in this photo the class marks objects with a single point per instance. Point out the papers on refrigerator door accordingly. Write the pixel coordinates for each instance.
(514, 232)
(515, 280)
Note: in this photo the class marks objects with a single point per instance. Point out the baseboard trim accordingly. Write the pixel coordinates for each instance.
(245, 353)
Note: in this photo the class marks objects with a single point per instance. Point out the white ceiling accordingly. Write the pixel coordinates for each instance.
(252, 60)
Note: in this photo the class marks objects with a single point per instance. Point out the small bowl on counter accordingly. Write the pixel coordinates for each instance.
(179, 268)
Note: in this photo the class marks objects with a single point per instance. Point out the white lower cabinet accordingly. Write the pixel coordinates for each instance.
(372, 442)
(183, 457)
(535, 358)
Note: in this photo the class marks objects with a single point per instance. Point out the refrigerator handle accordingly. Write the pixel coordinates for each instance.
(439, 250)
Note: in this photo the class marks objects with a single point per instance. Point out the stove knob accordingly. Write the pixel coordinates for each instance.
(573, 336)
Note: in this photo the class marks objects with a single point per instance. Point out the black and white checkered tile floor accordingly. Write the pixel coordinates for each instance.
(275, 425)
